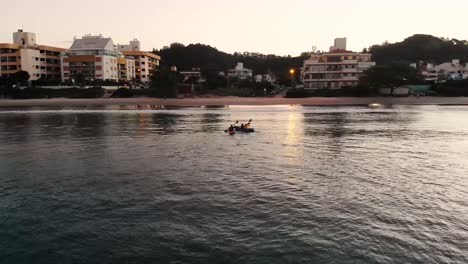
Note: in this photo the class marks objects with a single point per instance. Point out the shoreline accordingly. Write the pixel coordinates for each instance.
(217, 101)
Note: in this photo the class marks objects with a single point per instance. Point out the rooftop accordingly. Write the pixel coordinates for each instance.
(92, 42)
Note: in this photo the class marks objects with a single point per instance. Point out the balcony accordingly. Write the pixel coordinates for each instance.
(350, 78)
(352, 70)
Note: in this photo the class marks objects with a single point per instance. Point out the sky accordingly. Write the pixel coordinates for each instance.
(266, 26)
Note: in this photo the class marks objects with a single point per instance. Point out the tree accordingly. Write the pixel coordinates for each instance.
(390, 76)
(22, 77)
(421, 48)
(164, 82)
(210, 59)
(80, 79)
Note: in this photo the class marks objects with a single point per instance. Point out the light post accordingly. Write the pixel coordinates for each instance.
(293, 83)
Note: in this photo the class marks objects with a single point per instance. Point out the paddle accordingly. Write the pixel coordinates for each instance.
(225, 131)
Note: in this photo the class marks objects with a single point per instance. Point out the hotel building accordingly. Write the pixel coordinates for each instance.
(95, 58)
(335, 69)
(40, 61)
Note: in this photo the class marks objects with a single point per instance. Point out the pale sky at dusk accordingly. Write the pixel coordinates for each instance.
(266, 26)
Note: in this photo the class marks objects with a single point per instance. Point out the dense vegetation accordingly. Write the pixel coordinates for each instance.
(420, 48)
(210, 61)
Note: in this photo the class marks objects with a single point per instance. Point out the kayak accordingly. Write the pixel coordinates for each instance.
(245, 130)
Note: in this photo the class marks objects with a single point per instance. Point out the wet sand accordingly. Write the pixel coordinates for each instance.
(318, 101)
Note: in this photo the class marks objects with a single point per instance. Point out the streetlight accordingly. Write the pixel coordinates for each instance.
(292, 72)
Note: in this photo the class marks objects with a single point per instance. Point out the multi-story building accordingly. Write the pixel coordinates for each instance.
(335, 69)
(40, 61)
(145, 62)
(95, 58)
(240, 72)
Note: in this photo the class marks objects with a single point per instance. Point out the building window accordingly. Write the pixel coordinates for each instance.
(334, 59)
(143, 63)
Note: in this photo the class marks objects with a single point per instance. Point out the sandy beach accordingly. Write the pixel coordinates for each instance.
(318, 101)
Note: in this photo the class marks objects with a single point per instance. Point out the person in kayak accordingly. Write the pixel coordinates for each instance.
(242, 126)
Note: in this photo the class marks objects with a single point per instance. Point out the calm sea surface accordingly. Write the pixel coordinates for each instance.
(313, 185)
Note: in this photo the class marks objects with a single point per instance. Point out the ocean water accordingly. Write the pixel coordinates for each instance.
(167, 185)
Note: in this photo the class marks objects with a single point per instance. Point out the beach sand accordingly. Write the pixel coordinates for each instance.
(198, 101)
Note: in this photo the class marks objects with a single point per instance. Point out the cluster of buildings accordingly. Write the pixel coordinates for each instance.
(453, 70)
(335, 69)
(98, 58)
(89, 58)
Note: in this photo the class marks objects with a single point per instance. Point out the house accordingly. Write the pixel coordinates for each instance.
(194, 78)
(240, 72)
(269, 78)
(453, 70)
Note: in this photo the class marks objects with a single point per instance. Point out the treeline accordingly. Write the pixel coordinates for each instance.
(420, 48)
(210, 60)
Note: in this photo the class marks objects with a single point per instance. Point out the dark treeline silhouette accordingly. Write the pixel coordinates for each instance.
(420, 48)
(209, 59)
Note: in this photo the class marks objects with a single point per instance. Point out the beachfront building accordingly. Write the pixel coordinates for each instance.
(40, 61)
(240, 72)
(335, 69)
(145, 62)
(453, 70)
(95, 58)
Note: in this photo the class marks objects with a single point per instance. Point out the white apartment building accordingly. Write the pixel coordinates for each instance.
(240, 72)
(95, 58)
(40, 61)
(145, 62)
(335, 69)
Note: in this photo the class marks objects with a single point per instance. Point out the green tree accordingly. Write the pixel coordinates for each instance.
(164, 82)
(22, 77)
(390, 76)
(420, 48)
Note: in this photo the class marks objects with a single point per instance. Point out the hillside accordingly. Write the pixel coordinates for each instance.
(210, 59)
(421, 47)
